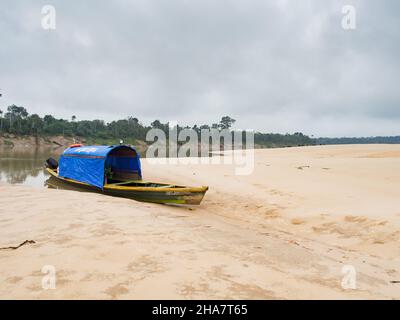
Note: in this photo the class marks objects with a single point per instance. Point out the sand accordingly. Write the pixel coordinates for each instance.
(283, 232)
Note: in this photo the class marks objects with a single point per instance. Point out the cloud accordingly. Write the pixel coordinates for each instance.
(279, 66)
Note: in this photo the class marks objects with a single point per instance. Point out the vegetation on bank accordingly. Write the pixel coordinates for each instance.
(17, 121)
(362, 140)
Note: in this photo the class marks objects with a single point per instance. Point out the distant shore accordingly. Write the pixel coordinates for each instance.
(20, 142)
(287, 231)
(57, 143)
(10, 142)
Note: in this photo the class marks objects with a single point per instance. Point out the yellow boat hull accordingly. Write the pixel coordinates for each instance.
(136, 190)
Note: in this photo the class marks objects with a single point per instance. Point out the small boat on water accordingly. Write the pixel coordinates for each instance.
(115, 171)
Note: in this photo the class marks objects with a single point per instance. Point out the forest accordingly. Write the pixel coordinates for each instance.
(16, 120)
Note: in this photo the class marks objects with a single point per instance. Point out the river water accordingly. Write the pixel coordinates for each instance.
(25, 166)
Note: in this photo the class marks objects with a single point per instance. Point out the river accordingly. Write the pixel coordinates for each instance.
(25, 166)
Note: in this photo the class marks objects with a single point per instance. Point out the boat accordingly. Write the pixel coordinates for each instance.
(115, 171)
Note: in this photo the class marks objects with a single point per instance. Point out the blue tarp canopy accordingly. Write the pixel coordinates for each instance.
(88, 164)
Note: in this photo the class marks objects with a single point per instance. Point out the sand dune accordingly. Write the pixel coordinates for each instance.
(286, 231)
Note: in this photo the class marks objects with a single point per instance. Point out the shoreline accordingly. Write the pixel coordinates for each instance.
(280, 233)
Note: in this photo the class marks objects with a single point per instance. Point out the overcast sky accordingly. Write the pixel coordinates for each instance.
(275, 66)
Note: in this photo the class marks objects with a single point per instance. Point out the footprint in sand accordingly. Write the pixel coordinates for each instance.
(145, 265)
(297, 221)
(14, 280)
(302, 167)
(117, 290)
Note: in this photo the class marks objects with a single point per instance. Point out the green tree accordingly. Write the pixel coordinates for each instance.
(156, 124)
(204, 127)
(17, 120)
(36, 124)
(16, 115)
(226, 122)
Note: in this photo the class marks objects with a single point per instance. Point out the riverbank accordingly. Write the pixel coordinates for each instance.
(285, 231)
(56, 144)
(11, 141)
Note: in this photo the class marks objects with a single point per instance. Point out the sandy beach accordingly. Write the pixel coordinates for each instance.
(283, 232)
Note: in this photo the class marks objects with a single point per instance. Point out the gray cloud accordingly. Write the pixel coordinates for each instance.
(280, 66)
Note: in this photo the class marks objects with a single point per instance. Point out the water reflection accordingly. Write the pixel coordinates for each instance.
(24, 167)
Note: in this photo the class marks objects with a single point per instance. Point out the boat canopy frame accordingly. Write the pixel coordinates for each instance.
(90, 164)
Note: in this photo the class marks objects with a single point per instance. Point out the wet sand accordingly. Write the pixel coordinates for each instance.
(284, 232)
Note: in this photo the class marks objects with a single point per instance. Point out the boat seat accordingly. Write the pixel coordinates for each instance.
(125, 175)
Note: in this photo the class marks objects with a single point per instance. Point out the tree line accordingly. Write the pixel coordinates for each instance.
(360, 140)
(16, 120)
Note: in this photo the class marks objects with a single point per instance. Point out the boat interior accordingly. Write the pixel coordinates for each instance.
(114, 173)
(140, 183)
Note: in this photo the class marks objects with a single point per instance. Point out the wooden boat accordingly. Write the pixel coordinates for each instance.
(125, 181)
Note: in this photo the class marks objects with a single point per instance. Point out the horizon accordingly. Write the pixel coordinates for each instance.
(199, 124)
